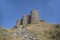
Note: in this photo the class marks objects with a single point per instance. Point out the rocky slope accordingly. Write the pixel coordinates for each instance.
(36, 31)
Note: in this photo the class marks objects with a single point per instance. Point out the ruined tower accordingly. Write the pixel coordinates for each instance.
(25, 20)
(18, 23)
(34, 16)
(28, 19)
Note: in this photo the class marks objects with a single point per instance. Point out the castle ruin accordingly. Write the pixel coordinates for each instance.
(29, 19)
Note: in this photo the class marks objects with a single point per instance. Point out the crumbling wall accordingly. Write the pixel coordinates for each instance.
(25, 19)
(18, 23)
(28, 19)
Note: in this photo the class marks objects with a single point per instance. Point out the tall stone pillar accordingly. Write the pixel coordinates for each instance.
(25, 20)
(34, 16)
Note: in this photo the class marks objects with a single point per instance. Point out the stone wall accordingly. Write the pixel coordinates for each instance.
(18, 23)
(25, 20)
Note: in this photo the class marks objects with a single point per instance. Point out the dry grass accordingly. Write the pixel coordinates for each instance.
(42, 31)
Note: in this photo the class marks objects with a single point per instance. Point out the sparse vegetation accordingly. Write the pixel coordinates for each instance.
(40, 31)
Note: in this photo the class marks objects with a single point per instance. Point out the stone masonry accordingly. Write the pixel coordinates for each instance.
(34, 16)
(18, 23)
(25, 19)
(29, 19)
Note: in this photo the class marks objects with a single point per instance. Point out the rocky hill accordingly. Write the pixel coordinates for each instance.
(30, 27)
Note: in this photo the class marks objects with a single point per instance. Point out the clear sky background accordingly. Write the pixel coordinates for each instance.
(12, 10)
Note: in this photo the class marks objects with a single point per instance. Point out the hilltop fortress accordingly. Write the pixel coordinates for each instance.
(29, 19)
(31, 27)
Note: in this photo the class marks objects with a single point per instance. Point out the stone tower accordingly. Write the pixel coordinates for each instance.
(18, 23)
(34, 16)
(25, 19)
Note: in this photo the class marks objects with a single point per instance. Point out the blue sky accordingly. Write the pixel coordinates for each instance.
(12, 10)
